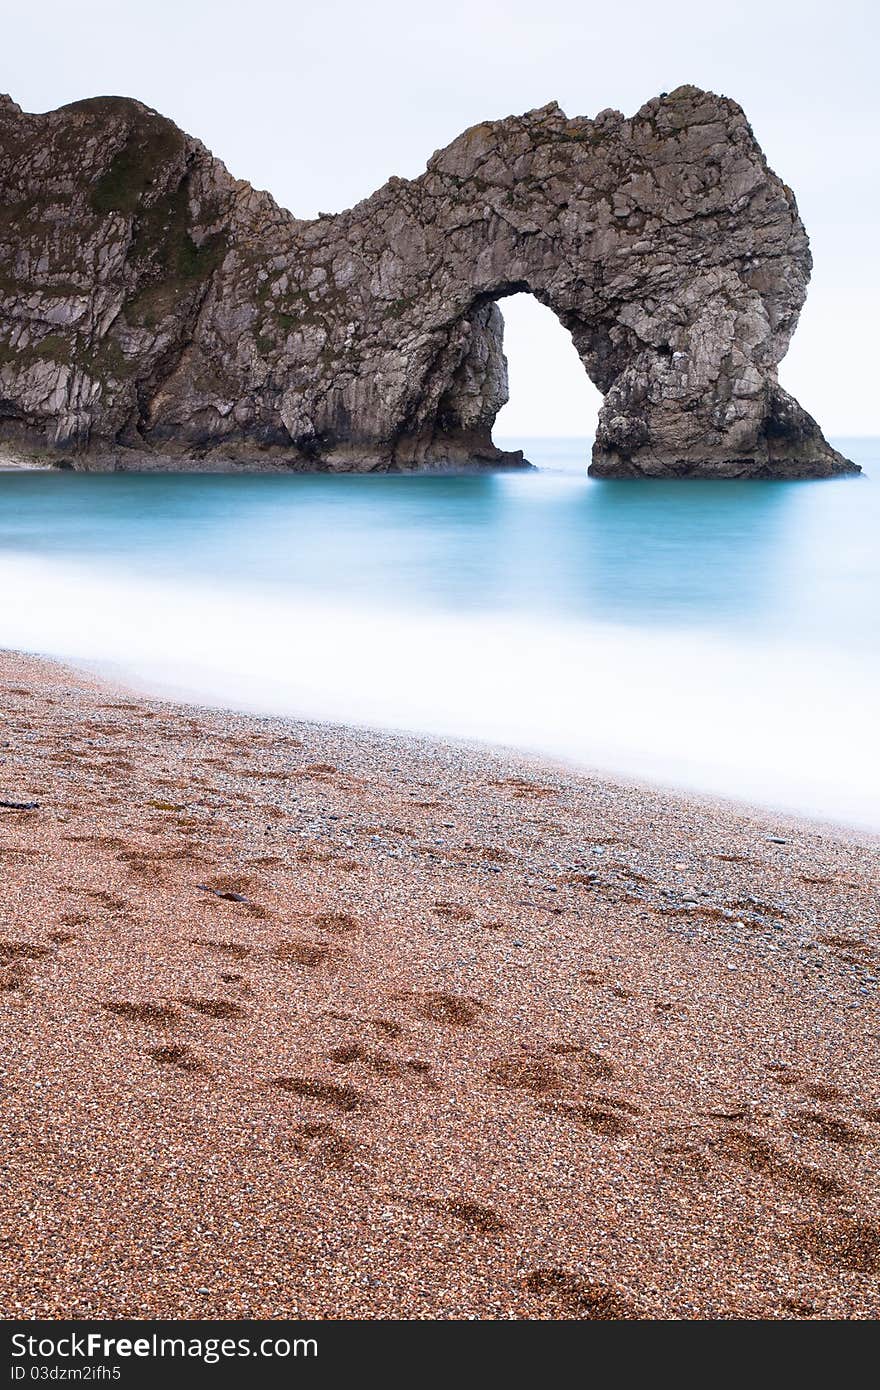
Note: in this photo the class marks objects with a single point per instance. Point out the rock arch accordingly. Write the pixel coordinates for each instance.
(177, 316)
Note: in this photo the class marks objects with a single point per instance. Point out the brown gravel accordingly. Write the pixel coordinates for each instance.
(305, 1021)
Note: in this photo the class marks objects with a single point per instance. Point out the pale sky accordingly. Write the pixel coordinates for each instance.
(321, 102)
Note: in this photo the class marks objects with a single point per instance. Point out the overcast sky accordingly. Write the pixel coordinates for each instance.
(321, 102)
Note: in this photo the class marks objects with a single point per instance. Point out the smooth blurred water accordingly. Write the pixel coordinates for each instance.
(722, 636)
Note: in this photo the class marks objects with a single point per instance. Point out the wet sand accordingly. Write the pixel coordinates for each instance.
(305, 1021)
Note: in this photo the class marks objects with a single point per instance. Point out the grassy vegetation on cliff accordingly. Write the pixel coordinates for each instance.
(151, 143)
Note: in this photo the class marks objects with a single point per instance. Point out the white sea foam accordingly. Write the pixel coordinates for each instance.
(788, 725)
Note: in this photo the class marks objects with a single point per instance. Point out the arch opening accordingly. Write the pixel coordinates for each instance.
(552, 405)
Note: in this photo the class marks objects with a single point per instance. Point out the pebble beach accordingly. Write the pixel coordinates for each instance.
(305, 1021)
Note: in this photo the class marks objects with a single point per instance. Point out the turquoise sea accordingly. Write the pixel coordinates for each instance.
(721, 636)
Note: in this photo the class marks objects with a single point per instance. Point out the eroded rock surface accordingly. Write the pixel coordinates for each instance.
(156, 312)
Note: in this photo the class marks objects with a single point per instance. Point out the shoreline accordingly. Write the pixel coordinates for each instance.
(41, 457)
(783, 816)
(312, 1021)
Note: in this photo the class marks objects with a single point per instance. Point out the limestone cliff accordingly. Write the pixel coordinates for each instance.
(156, 312)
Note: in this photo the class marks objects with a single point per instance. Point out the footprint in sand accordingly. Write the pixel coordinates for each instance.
(381, 1063)
(211, 1008)
(532, 1074)
(785, 1075)
(175, 1056)
(456, 1009)
(387, 1026)
(148, 1012)
(680, 1155)
(472, 1214)
(815, 1125)
(580, 880)
(341, 923)
(850, 949)
(326, 1092)
(794, 1308)
(307, 953)
(820, 1090)
(320, 772)
(100, 841)
(761, 1156)
(23, 950)
(492, 854)
(842, 1243)
(328, 857)
(564, 1295)
(758, 908)
(549, 1081)
(626, 871)
(107, 900)
(597, 1119)
(15, 978)
(229, 948)
(320, 1140)
(74, 919)
(586, 1060)
(475, 1215)
(453, 912)
(523, 789)
(147, 863)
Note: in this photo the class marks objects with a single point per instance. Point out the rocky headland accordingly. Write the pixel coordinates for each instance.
(156, 312)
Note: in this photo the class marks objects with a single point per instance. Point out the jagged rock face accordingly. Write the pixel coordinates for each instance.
(154, 311)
